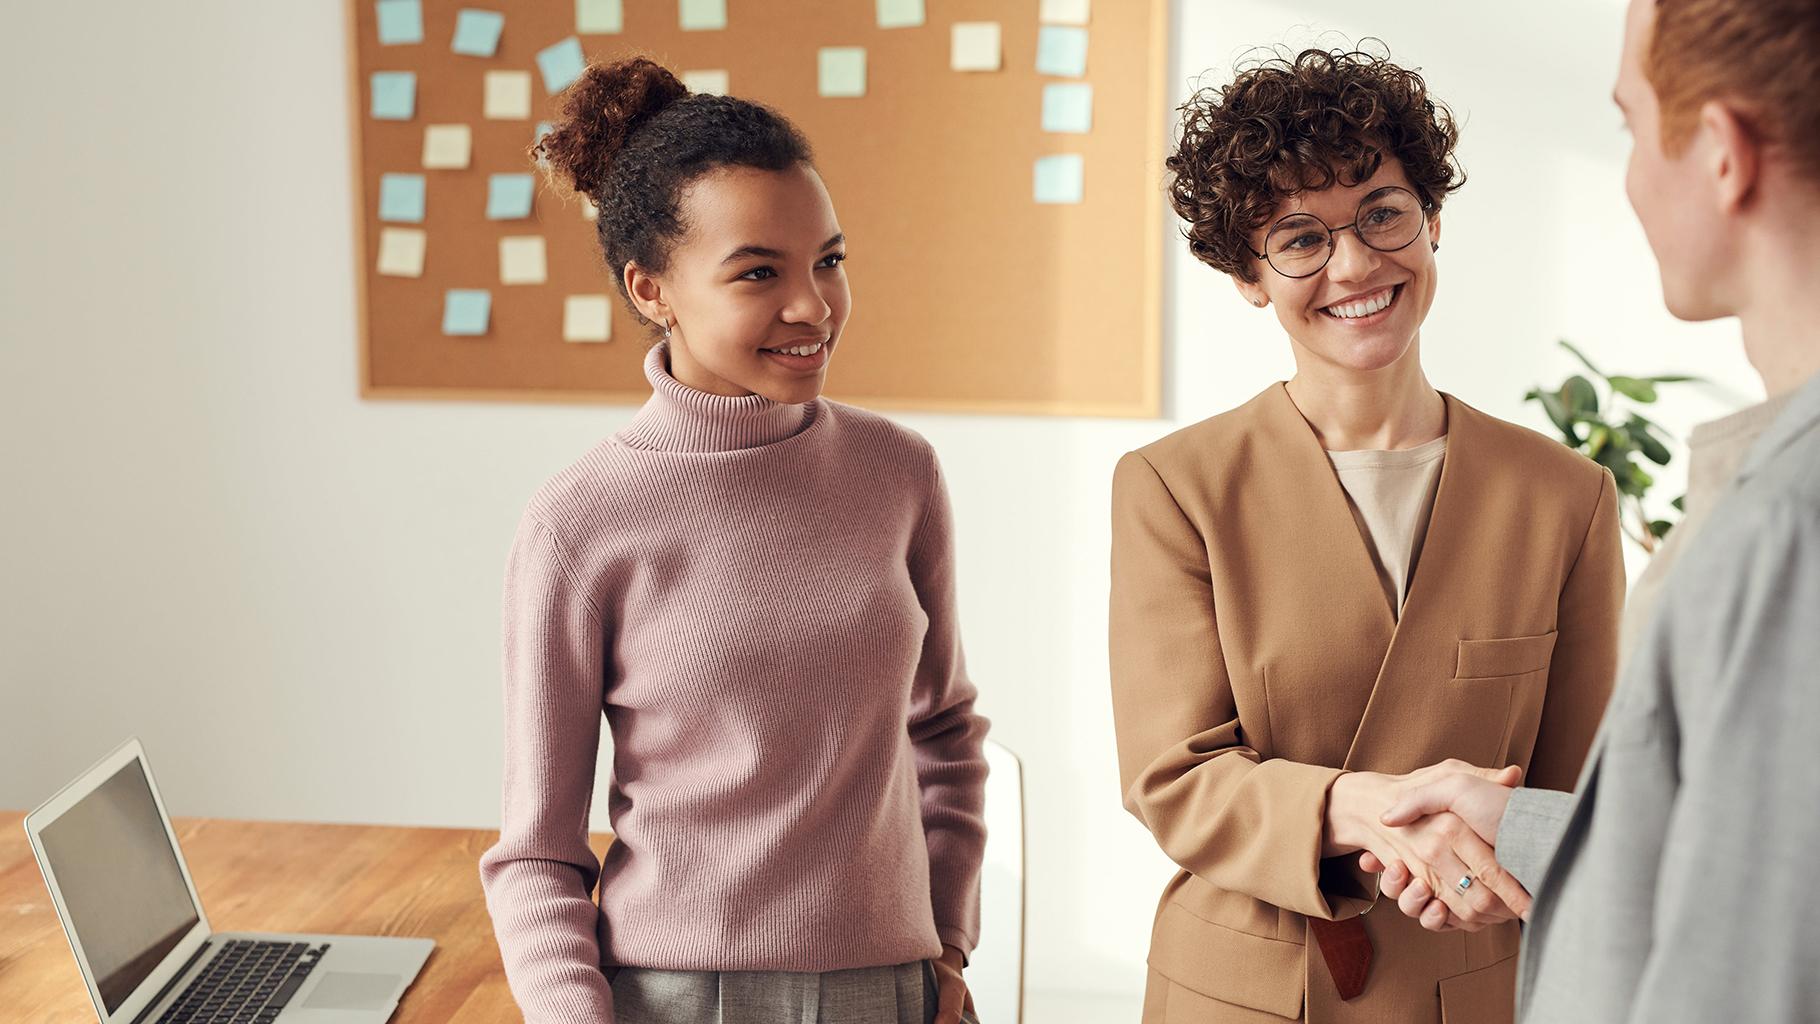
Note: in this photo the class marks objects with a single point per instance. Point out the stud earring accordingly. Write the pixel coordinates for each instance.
(1437, 246)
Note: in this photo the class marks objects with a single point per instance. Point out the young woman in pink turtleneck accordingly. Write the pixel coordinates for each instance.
(756, 586)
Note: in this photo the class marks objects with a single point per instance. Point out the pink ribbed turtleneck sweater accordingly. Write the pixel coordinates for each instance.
(761, 598)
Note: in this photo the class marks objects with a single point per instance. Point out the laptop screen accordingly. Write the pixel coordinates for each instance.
(120, 882)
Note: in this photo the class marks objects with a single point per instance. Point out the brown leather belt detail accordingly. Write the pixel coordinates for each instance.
(1347, 950)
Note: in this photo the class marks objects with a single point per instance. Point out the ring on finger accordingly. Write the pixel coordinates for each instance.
(1463, 884)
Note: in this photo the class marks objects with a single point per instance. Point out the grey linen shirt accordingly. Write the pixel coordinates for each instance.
(1677, 882)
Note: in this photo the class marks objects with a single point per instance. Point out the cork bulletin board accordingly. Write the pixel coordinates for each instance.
(1005, 235)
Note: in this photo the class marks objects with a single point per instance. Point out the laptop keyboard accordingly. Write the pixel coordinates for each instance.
(248, 982)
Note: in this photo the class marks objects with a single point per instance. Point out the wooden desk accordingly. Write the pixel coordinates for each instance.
(273, 876)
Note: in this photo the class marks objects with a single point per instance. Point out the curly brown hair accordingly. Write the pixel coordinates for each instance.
(1288, 125)
(633, 139)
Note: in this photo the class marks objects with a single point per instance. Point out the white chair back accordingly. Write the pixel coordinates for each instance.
(995, 972)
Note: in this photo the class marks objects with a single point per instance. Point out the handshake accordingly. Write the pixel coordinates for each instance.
(1431, 836)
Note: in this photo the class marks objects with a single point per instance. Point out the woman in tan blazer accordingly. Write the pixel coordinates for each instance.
(1349, 578)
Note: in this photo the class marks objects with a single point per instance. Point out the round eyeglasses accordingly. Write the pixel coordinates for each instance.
(1300, 244)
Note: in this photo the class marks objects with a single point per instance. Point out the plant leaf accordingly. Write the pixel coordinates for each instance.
(1551, 403)
(1581, 356)
(1676, 379)
(1647, 443)
(1660, 527)
(1579, 396)
(1633, 388)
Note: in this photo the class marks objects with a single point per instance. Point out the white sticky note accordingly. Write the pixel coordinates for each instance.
(1059, 178)
(841, 70)
(1068, 107)
(702, 15)
(600, 16)
(900, 13)
(975, 46)
(707, 81)
(1061, 51)
(587, 318)
(447, 146)
(508, 95)
(401, 252)
(521, 260)
(1065, 12)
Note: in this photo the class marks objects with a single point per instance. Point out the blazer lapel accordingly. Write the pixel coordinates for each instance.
(1308, 565)
(1461, 531)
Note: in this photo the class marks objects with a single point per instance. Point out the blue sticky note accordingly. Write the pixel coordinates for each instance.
(600, 16)
(401, 198)
(1061, 50)
(697, 15)
(1068, 107)
(1058, 178)
(465, 311)
(477, 32)
(394, 95)
(561, 64)
(400, 21)
(509, 196)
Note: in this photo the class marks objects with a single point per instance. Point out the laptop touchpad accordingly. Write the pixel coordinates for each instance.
(345, 990)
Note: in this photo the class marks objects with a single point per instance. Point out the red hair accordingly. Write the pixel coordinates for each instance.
(1763, 56)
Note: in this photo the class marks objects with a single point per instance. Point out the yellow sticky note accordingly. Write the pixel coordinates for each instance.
(587, 318)
(401, 252)
(521, 259)
(508, 95)
(447, 146)
(975, 46)
(708, 81)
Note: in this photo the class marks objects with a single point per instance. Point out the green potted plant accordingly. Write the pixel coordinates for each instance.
(1612, 433)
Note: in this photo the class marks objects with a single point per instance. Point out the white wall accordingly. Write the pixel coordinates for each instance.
(292, 595)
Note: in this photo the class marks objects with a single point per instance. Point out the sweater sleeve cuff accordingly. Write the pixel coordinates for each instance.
(952, 936)
(1533, 823)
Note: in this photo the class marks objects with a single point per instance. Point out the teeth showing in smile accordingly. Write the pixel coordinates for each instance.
(799, 350)
(1363, 307)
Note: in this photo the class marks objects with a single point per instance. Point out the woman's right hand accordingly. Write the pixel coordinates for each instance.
(1436, 850)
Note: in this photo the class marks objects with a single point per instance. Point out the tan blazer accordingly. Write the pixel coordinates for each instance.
(1255, 656)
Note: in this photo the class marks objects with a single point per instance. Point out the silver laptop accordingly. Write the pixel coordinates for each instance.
(124, 895)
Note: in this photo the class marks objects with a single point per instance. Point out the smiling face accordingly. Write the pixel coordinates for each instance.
(1363, 311)
(754, 291)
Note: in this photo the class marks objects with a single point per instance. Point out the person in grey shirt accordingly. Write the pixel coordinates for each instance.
(1676, 883)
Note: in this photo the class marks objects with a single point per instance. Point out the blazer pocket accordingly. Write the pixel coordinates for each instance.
(1505, 656)
(1485, 996)
(1224, 963)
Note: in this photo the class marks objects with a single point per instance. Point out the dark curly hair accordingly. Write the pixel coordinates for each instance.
(1285, 126)
(632, 138)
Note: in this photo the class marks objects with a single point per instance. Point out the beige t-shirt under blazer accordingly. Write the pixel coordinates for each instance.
(1392, 495)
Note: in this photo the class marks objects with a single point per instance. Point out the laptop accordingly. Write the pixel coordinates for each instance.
(144, 945)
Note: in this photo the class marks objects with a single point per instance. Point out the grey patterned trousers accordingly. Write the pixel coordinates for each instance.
(901, 994)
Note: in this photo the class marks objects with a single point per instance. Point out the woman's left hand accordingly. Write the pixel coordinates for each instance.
(952, 995)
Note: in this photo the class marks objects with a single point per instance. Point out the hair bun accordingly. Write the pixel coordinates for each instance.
(600, 111)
